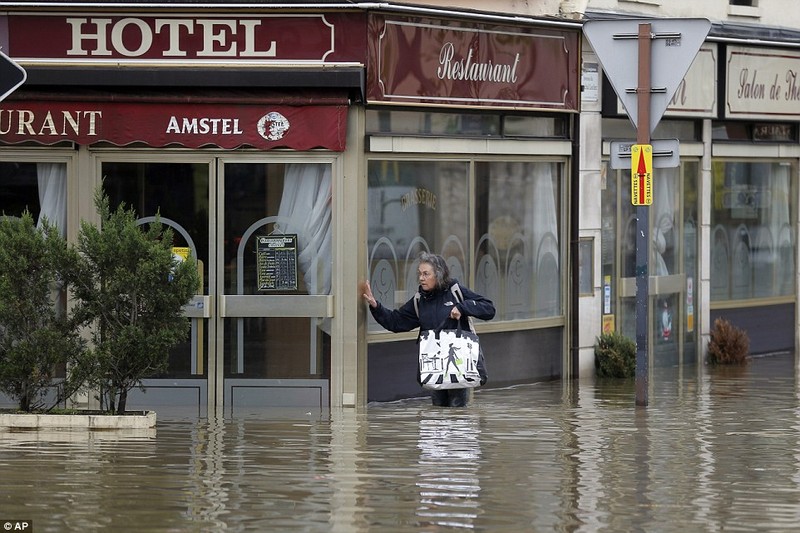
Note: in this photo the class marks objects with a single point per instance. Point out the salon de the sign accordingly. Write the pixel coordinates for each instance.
(762, 83)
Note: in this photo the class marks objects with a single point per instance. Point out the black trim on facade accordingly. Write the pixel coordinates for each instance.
(339, 78)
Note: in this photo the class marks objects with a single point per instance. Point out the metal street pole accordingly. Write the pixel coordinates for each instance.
(643, 221)
(664, 64)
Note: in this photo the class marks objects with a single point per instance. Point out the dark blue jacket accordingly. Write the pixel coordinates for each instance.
(434, 308)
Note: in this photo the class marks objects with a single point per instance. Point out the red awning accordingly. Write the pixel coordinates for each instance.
(159, 123)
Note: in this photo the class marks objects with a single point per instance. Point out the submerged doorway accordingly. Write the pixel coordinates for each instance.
(672, 266)
(260, 230)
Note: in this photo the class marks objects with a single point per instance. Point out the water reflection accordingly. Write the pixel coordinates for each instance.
(447, 469)
(715, 450)
(208, 495)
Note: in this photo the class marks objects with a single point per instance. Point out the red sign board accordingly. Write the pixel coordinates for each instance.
(319, 37)
(163, 124)
(452, 63)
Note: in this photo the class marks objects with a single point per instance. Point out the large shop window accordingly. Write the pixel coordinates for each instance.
(512, 253)
(415, 206)
(41, 189)
(752, 230)
(518, 260)
(272, 200)
(291, 198)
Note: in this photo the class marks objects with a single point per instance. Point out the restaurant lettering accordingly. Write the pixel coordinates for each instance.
(135, 37)
(193, 125)
(679, 98)
(431, 62)
(60, 123)
(470, 70)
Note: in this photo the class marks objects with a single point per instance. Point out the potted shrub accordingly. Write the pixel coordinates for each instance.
(131, 290)
(36, 338)
(615, 356)
(727, 344)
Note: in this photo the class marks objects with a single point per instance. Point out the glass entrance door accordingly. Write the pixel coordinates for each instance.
(181, 194)
(261, 234)
(672, 265)
(275, 259)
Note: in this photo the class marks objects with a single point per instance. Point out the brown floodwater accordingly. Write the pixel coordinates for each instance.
(716, 450)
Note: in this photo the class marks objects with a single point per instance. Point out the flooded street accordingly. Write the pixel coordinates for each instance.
(715, 451)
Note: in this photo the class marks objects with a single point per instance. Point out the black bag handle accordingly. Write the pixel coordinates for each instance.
(441, 326)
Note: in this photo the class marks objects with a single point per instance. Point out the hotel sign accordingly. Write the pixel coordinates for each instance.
(413, 61)
(291, 38)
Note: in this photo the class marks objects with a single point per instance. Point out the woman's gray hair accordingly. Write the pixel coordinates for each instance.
(440, 269)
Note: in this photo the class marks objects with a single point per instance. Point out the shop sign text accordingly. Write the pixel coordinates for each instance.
(763, 83)
(134, 37)
(174, 38)
(696, 93)
(448, 63)
(163, 124)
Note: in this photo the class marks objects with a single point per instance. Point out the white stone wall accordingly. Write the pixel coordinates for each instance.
(777, 13)
(534, 8)
(591, 184)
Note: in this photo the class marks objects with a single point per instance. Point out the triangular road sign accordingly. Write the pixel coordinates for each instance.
(11, 75)
(674, 45)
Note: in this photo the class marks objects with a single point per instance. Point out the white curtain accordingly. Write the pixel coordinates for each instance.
(52, 178)
(546, 240)
(779, 201)
(52, 184)
(545, 216)
(306, 210)
(665, 188)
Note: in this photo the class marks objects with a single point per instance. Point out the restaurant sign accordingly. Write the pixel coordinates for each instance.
(164, 124)
(413, 61)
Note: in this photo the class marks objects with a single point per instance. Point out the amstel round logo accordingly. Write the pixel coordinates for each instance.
(273, 126)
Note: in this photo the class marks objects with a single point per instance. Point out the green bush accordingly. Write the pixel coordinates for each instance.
(615, 356)
(36, 338)
(727, 345)
(130, 291)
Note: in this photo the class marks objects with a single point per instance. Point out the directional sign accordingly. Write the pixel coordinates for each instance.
(642, 174)
(11, 76)
(666, 153)
(675, 43)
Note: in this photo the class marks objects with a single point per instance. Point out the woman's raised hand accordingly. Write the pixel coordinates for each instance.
(367, 294)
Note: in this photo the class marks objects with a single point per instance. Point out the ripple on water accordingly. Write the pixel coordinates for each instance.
(713, 451)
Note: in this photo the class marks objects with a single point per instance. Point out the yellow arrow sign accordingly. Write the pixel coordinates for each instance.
(642, 174)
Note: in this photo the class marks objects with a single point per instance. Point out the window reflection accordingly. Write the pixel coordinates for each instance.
(440, 124)
(518, 254)
(415, 206)
(40, 189)
(752, 236)
(514, 254)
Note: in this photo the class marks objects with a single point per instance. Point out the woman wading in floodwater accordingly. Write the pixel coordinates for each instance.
(436, 303)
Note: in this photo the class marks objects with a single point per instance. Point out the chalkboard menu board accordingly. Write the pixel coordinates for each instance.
(277, 262)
